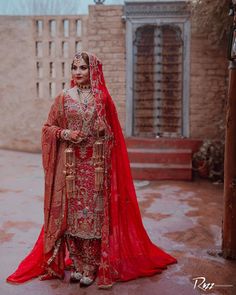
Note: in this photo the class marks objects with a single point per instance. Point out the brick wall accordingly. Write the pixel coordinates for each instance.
(208, 87)
(106, 38)
(20, 120)
(23, 111)
(103, 32)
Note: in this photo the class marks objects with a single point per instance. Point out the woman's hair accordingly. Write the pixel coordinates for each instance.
(85, 58)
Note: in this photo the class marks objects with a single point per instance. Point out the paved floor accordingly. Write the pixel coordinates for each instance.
(183, 218)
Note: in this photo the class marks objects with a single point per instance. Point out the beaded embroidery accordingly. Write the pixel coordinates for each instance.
(85, 206)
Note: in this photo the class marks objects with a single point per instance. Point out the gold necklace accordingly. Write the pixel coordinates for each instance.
(84, 99)
(80, 86)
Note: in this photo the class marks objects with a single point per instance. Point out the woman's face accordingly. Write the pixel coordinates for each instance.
(80, 72)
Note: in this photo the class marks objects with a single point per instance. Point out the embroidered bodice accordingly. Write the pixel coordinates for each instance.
(85, 206)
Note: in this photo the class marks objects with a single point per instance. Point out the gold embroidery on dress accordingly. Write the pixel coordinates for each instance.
(90, 170)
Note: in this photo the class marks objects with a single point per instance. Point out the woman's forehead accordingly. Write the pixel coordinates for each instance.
(79, 62)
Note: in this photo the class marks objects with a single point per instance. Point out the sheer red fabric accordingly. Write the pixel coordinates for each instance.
(126, 251)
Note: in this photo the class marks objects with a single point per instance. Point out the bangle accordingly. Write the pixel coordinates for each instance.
(58, 133)
(65, 134)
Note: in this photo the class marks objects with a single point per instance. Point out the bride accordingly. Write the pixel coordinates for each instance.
(90, 206)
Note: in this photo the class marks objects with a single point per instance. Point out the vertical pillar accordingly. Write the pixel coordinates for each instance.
(229, 214)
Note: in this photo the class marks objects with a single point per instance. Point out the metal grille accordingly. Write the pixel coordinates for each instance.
(158, 66)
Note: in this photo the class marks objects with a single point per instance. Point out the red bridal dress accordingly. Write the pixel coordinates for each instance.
(101, 228)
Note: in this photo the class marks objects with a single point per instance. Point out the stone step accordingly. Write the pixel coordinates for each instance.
(149, 155)
(163, 143)
(163, 171)
(162, 158)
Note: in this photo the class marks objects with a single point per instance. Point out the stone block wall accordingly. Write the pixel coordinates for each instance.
(22, 112)
(106, 38)
(27, 92)
(19, 111)
(27, 84)
(208, 87)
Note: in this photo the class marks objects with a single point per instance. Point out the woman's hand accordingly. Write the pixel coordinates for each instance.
(74, 135)
(77, 136)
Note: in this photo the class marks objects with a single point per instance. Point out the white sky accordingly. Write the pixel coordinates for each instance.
(50, 7)
(58, 7)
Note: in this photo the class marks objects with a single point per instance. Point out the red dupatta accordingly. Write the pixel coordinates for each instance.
(127, 252)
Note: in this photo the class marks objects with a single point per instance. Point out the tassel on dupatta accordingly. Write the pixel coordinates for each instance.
(98, 160)
(69, 162)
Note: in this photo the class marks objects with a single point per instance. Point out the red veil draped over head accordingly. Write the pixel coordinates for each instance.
(126, 252)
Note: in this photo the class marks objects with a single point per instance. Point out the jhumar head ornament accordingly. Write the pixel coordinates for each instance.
(80, 57)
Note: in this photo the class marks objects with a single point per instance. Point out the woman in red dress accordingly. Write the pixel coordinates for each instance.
(90, 205)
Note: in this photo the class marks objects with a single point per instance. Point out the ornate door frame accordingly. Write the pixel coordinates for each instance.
(138, 14)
